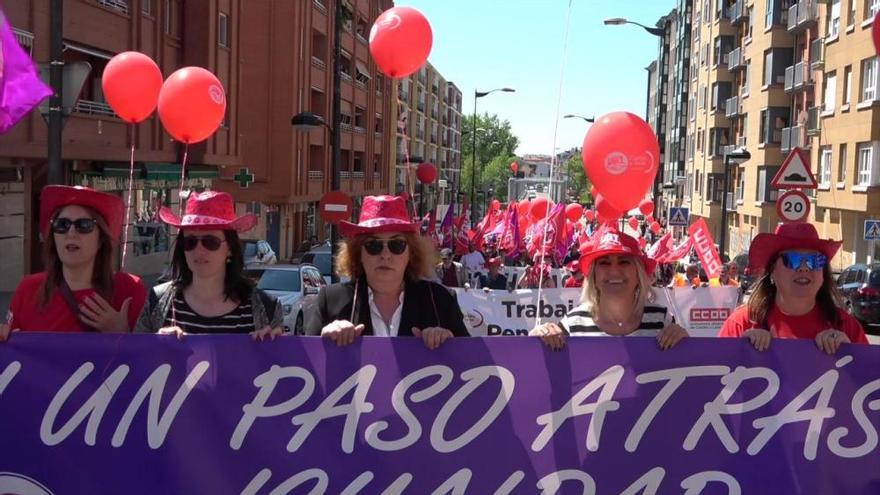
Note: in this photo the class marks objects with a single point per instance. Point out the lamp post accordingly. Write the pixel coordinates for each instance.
(619, 21)
(740, 155)
(477, 95)
(588, 120)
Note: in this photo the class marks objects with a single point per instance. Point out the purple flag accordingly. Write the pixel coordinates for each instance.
(446, 227)
(511, 241)
(20, 86)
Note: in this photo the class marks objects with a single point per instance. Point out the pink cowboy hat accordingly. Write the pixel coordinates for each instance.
(380, 214)
(210, 210)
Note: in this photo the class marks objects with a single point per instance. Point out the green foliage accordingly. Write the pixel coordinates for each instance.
(495, 146)
(579, 184)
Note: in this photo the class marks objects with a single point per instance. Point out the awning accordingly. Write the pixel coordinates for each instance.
(202, 172)
(171, 171)
(120, 169)
(362, 69)
(69, 45)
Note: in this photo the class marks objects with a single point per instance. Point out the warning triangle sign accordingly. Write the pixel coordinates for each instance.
(678, 218)
(794, 173)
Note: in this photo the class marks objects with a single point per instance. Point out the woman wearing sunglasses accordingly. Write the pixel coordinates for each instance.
(79, 290)
(795, 298)
(208, 292)
(617, 298)
(386, 260)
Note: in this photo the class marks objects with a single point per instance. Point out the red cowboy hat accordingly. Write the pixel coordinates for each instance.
(788, 236)
(210, 210)
(493, 262)
(109, 206)
(380, 214)
(609, 240)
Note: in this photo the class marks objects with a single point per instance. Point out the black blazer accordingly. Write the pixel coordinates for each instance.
(335, 303)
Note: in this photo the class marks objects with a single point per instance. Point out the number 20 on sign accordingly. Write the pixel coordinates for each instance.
(793, 206)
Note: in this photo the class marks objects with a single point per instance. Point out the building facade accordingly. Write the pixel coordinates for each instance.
(428, 130)
(96, 144)
(287, 68)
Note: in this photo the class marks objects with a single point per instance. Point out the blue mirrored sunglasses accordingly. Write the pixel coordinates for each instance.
(814, 261)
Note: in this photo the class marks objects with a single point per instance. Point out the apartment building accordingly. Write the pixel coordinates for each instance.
(428, 130)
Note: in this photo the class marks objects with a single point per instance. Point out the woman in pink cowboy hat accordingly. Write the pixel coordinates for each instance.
(79, 290)
(616, 298)
(208, 292)
(795, 298)
(386, 260)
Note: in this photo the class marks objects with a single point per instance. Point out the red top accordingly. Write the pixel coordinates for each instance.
(793, 327)
(24, 313)
(571, 282)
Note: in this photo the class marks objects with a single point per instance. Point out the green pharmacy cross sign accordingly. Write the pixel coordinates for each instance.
(244, 177)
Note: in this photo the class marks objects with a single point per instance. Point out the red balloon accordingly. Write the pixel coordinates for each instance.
(539, 207)
(621, 157)
(589, 215)
(875, 33)
(192, 104)
(605, 210)
(131, 84)
(633, 223)
(642, 243)
(426, 173)
(646, 207)
(400, 41)
(523, 208)
(574, 212)
(655, 227)
(515, 167)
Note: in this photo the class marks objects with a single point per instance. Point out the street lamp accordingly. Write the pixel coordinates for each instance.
(588, 120)
(739, 155)
(477, 95)
(619, 21)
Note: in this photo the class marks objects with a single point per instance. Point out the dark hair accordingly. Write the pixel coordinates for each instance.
(102, 273)
(764, 297)
(235, 284)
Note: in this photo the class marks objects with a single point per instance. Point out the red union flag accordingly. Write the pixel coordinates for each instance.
(705, 247)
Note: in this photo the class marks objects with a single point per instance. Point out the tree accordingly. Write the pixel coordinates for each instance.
(495, 146)
(578, 182)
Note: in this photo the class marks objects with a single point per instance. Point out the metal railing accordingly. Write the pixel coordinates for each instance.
(735, 59)
(120, 5)
(321, 6)
(345, 76)
(357, 175)
(731, 107)
(813, 121)
(817, 54)
(344, 174)
(316, 175)
(317, 62)
(797, 77)
(802, 15)
(93, 108)
(345, 127)
(739, 12)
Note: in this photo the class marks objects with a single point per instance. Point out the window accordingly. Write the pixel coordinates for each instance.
(751, 22)
(223, 30)
(871, 8)
(847, 84)
(825, 166)
(833, 27)
(768, 68)
(865, 158)
(841, 165)
(741, 185)
(765, 191)
(702, 97)
(768, 14)
(869, 79)
(747, 77)
(830, 91)
(147, 7)
(851, 16)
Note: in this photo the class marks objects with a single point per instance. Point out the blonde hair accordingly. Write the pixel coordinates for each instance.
(643, 295)
(422, 256)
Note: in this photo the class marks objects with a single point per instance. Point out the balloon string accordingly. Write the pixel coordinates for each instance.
(179, 213)
(409, 185)
(127, 224)
(553, 163)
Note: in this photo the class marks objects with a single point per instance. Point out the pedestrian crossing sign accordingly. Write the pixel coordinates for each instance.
(679, 217)
(872, 230)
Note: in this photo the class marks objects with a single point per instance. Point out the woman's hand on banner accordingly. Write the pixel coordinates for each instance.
(433, 337)
(670, 336)
(5, 332)
(759, 338)
(266, 332)
(342, 332)
(551, 334)
(175, 330)
(829, 340)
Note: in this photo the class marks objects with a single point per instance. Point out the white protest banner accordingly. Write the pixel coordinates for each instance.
(501, 312)
(701, 311)
(513, 273)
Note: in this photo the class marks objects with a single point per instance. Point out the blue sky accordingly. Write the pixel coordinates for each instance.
(488, 44)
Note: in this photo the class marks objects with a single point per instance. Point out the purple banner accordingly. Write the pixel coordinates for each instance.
(222, 414)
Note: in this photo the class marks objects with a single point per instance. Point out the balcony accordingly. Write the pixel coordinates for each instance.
(797, 77)
(118, 5)
(732, 108)
(813, 128)
(93, 108)
(817, 54)
(792, 137)
(317, 62)
(739, 13)
(802, 16)
(736, 60)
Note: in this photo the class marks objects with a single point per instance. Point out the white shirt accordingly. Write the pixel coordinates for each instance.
(473, 261)
(380, 329)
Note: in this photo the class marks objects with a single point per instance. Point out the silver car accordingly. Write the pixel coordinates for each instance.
(296, 287)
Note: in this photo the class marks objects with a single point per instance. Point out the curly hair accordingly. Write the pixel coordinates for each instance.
(422, 256)
(643, 295)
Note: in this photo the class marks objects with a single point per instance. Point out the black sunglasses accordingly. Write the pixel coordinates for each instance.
(375, 246)
(82, 225)
(210, 242)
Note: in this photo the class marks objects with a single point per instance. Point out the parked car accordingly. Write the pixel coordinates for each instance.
(258, 252)
(320, 257)
(860, 286)
(296, 287)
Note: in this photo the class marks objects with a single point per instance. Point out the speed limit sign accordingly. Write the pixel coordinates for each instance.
(793, 206)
